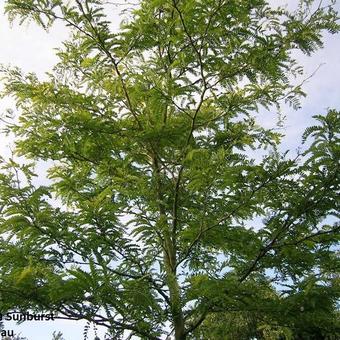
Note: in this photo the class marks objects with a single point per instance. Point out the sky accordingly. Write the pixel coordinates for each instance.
(32, 49)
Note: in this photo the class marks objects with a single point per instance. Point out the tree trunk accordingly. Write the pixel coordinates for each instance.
(170, 262)
(175, 293)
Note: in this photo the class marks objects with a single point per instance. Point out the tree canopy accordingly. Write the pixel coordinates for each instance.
(159, 216)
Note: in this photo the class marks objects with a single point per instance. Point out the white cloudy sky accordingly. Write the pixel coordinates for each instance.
(30, 48)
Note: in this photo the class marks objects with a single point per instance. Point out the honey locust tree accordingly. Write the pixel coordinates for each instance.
(150, 136)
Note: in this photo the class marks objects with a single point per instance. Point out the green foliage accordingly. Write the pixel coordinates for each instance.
(149, 136)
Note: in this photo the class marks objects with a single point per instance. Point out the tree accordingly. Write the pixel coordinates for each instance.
(150, 135)
(57, 336)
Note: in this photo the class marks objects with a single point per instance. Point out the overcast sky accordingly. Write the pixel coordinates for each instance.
(32, 49)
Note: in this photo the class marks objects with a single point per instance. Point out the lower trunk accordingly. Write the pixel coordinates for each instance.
(176, 307)
(179, 330)
(175, 292)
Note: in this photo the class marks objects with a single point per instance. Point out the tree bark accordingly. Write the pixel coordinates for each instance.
(174, 289)
(170, 261)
